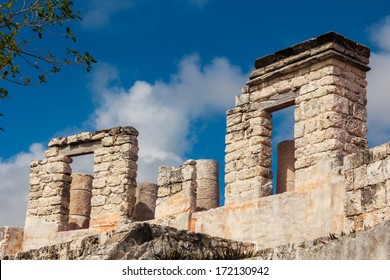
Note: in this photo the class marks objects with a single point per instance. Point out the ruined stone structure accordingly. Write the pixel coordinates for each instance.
(328, 181)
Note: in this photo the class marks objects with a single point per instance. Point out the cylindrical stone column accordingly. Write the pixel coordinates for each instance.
(145, 206)
(80, 201)
(286, 169)
(207, 192)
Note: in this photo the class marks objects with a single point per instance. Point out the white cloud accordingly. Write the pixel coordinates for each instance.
(14, 187)
(163, 111)
(378, 90)
(99, 12)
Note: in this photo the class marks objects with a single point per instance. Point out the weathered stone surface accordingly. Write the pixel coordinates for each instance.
(286, 167)
(146, 196)
(80, 201)
(134, 241)
(11, 240)
(207, 191)
(339, 184)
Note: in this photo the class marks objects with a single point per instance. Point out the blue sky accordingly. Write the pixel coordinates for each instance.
(171, 69)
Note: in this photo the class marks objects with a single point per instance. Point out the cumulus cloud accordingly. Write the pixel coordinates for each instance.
(99, 12)
(14, 187)
(378, 90)
(163, 111)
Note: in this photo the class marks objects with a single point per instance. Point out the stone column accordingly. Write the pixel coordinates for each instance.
(207, 192)
(80, 201)
(145, 206)
(286, 169)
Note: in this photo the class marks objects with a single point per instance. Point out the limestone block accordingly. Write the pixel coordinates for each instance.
(230, 177)
(374, 197)
(52, 152)
(59, 167)
(98, 200)
(180, 202)
(353, 205)
(260, 140)
(360, 177)
(242, 99)
(234, 118)
(387, 186)
(353, 160)
(146, 196)
(164, 175)
(234, 136)
(386, 168)
(375, 172)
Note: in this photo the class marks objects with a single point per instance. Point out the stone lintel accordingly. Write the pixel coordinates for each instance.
(281, 69)
(80, 149)
(86, 137)
(312, 51)
(330, 37)
(279, 102)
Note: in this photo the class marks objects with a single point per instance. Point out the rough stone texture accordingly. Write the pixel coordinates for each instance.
(368, 179)
(325, 79)
(11, 240)
(146, 196)
(207, 191)
(286, 168)
(339, 185)
(113, 187)
(133, 241)
(176, 190)
(371, 244)
(284, 218)
(189, 188)
(80, 201)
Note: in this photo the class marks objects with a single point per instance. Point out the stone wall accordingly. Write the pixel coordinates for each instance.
(367, 175)
(113, 186)
(371, 244)
(189, 188)
(325, 79)
(11, 240)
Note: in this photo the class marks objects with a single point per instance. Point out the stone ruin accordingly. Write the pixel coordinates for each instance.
(328, 181)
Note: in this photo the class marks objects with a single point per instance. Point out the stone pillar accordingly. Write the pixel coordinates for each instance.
(114, 183)
(80, 201)
(146, 196)
(248, 161)
(286, 169)
(48, 201)
(176, 190)
(207, 192)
